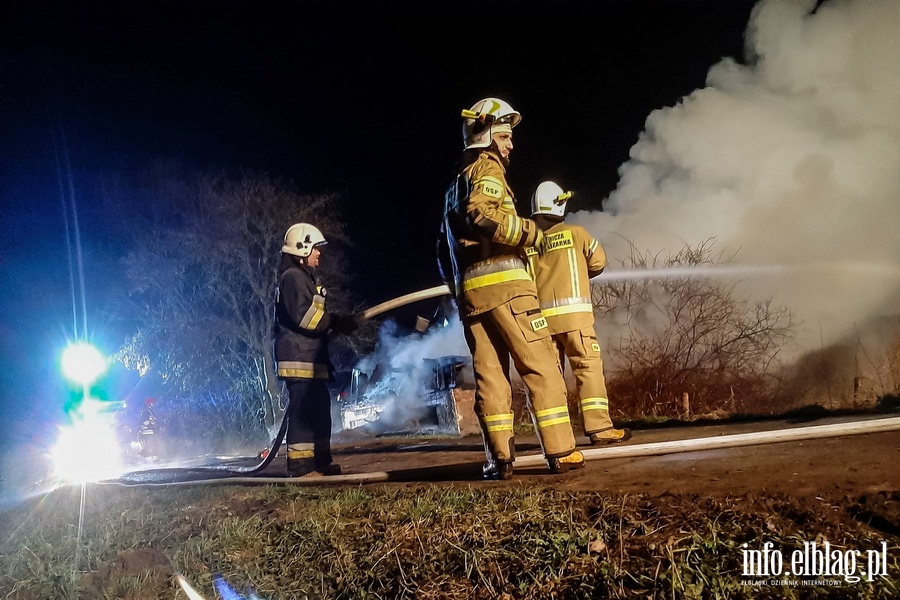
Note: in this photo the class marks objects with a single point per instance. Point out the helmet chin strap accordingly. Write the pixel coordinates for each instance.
(493, 148)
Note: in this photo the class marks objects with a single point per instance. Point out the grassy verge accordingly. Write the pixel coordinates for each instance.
(415, 542)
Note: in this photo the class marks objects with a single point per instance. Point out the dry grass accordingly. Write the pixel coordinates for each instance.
(414, 542)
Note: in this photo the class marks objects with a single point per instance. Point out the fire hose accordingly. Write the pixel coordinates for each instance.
(227, 471)
(757, 438)
(434, 292)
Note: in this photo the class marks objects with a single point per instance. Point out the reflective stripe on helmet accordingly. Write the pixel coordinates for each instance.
(550, 199)
(484, 119)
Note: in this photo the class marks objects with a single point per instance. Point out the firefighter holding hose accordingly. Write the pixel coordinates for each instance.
(481, 253)
(302, 325)
(569, 259)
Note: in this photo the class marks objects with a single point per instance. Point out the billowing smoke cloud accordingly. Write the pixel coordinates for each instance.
(790, 160)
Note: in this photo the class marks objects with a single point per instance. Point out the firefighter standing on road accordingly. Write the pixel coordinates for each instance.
(148, 430)
(302, 324)
(562, 271)
(481, 256)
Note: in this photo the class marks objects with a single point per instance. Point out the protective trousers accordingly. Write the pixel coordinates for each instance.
(309, 423)
(516, 330)
(583, 351)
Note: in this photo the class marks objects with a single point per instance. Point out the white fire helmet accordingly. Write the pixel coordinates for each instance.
(549, 199)
(484, 119)
(301, 238)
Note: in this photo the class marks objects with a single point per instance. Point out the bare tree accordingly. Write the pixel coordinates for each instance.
(675, 342)
(202, 277)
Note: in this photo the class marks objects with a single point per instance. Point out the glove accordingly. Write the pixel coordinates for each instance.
(345, 324)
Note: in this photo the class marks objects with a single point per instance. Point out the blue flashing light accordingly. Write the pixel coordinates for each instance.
(82, 363)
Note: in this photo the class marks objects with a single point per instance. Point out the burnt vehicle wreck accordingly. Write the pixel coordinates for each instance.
(418, 395)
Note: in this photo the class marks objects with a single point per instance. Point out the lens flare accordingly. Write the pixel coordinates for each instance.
(88, 449)
(82, 363)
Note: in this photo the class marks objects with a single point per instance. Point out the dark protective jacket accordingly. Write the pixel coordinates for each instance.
(482, 239)
(302, 322)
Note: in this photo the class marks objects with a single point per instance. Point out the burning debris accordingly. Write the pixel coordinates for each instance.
(402, 398)
(421, 382)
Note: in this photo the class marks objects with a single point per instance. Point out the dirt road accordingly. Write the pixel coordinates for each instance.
(853, 464)
(856, 475)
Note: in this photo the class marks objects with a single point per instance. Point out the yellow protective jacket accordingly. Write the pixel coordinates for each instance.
(482, 244)
(562, 274)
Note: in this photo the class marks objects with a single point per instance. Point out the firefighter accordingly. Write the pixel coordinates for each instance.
(148, 430)
(562, 272)
(481, 256)
(302, 325)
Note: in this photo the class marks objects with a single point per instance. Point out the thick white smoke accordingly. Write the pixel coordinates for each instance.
(792, 160)
(401, 371)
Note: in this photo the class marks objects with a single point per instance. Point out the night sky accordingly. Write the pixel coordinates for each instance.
(358, 98)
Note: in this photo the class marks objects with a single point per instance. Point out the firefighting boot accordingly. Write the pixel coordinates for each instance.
(497, 470)
(328, 470)
(575, 460)
(610, 436)
(299, 467)
(307, 468)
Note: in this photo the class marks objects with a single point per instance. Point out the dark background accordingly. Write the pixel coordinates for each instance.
(358, 98)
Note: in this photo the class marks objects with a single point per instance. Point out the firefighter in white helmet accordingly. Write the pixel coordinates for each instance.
(302, 325)
(562, 271)
(481, 256)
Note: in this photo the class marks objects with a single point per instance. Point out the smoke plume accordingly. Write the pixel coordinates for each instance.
(401, 370)
(791, 159)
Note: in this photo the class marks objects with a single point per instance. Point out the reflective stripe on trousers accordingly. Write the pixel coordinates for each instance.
(502, 422)
(291, 369)
(494, 338)
(300, 451)
(583, 352)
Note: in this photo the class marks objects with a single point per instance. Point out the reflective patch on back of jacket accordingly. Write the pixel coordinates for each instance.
(558, 240)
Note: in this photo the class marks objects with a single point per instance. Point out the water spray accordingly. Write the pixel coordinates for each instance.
(712, 271)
